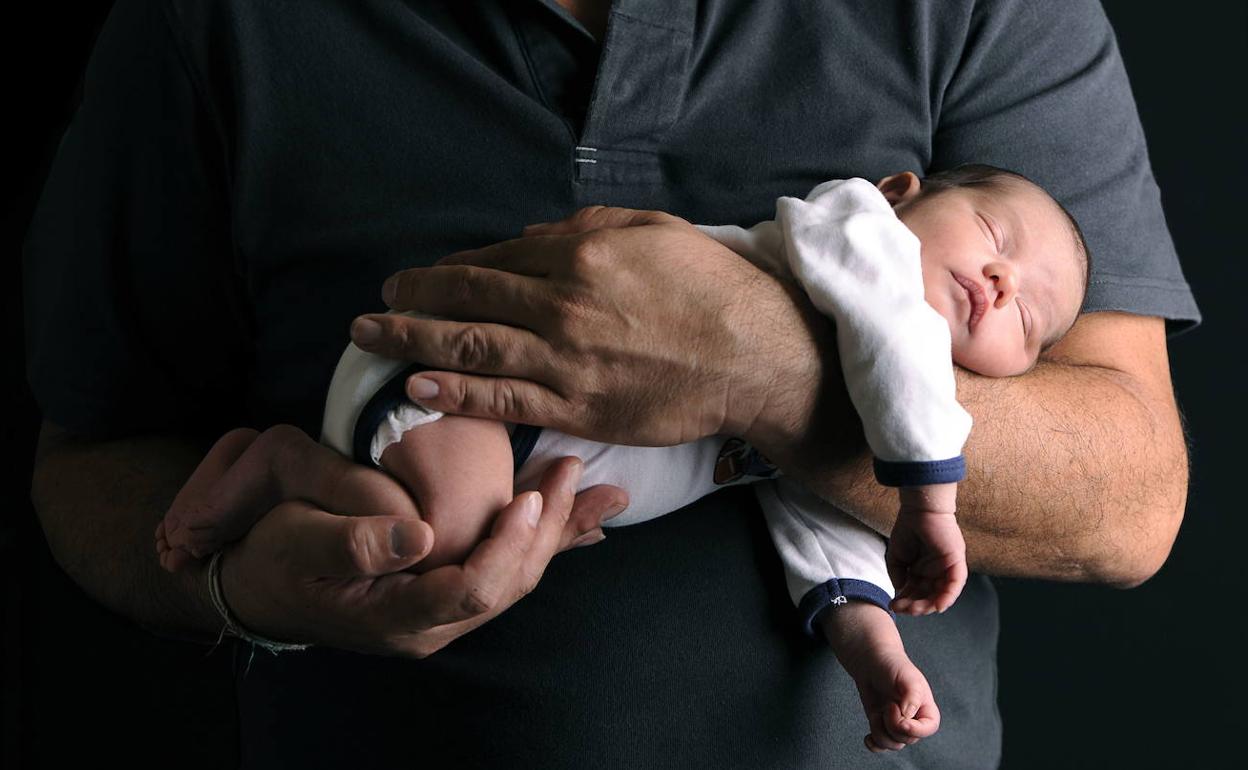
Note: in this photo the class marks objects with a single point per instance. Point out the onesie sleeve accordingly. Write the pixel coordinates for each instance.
(860, 266)
(136, 311)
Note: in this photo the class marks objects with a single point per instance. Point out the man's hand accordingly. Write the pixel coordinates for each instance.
(615, 325)
(318, 564)
(307, 575)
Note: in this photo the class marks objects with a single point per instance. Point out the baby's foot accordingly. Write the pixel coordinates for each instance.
(197, 524)
(895, 694)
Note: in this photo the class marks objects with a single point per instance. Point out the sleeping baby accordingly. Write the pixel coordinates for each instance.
(975, 266)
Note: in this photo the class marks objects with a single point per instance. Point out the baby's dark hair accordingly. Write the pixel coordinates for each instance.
(983, 176)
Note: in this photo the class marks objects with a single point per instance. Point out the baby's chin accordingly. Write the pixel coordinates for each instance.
(989, 366)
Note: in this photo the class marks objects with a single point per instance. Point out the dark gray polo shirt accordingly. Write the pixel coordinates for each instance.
(243, 174)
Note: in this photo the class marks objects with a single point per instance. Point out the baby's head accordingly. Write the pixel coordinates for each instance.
(1003, 262)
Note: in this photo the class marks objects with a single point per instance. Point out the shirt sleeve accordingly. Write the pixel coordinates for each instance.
(1041, 89)
(135, 306)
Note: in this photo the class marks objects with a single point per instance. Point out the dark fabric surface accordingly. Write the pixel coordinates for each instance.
(242, 176)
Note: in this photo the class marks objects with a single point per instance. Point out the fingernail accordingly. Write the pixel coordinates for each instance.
(389, 290)
(365, 332)
(533, 509)
(614, 511)
(419, 388)
(589, 538)
(406, 541)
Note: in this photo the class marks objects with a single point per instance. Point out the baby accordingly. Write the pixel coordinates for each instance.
(976, 265)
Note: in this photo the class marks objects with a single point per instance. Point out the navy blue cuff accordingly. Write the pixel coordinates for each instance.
(839, 591)
(920, 474)
(394, 393)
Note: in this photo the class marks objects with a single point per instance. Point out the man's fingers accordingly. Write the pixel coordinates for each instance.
(598, 217)
(449, 601)
(326, 545)
(482, 348)
(505, 294)
(496, 398)
(479, 589)
(558, 488)
(590, 509)
(532, 257)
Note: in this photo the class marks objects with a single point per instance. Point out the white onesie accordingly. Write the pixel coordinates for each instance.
(860, 266)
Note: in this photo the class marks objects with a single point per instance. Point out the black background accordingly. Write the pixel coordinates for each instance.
(1090, 676)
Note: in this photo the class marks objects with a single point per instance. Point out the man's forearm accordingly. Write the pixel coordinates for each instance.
(1075, 472)
(99, 503)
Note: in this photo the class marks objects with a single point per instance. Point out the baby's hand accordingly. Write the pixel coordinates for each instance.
(926, 554)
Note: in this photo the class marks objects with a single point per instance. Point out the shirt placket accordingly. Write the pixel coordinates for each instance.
(638, 92)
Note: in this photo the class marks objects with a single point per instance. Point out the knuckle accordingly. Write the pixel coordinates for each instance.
(528, 583)
(472, 350)
(589, 250)
(478, 601)
(588, 215)
(359, 545)
(461, 284)
(508, 402)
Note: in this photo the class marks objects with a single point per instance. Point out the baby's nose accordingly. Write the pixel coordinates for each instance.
(1003, 283)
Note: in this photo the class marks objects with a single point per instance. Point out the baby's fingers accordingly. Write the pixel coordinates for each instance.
(952, 587)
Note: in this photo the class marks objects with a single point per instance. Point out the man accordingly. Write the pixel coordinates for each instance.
(240, 181)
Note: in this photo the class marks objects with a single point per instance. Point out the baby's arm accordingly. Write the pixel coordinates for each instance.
(926, 554)
(834, 567)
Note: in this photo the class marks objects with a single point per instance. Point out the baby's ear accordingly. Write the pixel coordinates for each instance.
(899, 188)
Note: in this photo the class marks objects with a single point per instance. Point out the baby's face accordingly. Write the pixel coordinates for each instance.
(1002, 266)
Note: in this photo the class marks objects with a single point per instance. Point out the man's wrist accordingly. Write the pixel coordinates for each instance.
(232, 626)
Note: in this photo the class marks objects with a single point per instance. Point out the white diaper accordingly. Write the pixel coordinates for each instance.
(398, 421)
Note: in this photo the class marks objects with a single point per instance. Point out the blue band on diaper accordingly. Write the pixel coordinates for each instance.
(839, 591)
(921, 473)
(387, 397)
(394, 393)
(523, 439)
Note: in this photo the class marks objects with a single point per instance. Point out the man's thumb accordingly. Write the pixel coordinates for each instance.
(325, 545)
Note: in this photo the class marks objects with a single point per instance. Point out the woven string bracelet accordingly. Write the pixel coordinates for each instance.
(232, 626)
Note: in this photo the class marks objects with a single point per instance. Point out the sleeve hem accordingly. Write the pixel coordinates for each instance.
(917, 474)
(837, 592)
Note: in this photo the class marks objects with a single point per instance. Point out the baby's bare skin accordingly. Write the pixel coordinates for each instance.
(895, 695)
(457, 469)
(459, 472)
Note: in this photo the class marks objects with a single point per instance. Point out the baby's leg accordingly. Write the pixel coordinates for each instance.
(459, 472)
(895, 694)
(659, 480)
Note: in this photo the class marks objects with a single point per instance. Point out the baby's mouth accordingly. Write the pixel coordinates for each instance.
(975, 296)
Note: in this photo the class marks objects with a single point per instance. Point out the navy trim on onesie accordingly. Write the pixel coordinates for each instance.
(920, 474)
(839, 591)
(394, 393)
(387, 397)
(523, 439)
